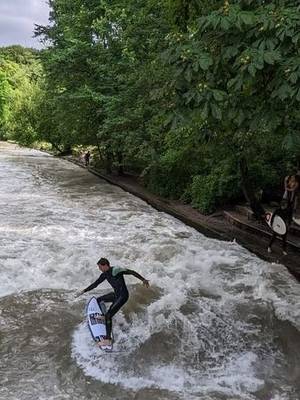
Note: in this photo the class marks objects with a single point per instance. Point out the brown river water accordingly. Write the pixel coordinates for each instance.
(217, 322)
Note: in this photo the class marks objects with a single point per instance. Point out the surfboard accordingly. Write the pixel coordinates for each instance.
(296, 217)
(277, 223)
(96, 322)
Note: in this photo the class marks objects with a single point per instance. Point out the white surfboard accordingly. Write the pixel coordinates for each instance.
(296, 219)
(278, 225)
(96, 322)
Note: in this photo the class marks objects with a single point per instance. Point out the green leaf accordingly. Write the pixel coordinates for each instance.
(225, 23)
(271, 56)
(284, 92)
(289, 142)
(230, 83)
(218, 95)
(248, 18)
(189, 96)
(293, 77)
(240, 118)
(268, 57)
(216, 21)
(230, 52)
(216, 111)
(188, 74)
(205, 61)
(204, 112)
(252, 70)
(195, 66)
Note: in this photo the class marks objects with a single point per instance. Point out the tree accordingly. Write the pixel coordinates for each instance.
(238, 70)
(4, 100)
(20, 76)
(98, 73)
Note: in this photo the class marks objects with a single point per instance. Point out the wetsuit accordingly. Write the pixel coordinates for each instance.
(115, 277)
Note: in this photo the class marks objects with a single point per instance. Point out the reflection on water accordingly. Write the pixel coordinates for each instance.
(217, 323)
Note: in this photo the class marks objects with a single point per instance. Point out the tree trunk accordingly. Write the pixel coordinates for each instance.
(182, 17)
(120, 164)
(108, 162)
(98, 147)
(54, 146)
(67, 151)
(249, 191)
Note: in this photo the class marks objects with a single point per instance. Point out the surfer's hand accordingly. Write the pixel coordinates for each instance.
(146, 283)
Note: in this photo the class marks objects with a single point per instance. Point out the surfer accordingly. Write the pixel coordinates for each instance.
(285, 214)
(120, 295)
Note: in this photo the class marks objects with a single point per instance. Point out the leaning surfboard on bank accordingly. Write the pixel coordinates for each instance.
(276, 223)
(96, 322)
(296, 218)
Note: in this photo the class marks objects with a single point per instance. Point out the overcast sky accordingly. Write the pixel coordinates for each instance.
(17, 19)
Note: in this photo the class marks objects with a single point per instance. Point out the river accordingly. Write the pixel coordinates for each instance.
(217, 322)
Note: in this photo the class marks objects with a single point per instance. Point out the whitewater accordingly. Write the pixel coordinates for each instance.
(217, 323)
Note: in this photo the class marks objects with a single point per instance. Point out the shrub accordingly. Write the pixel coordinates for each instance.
(217, 188)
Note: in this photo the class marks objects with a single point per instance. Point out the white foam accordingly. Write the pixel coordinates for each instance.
(235, 378)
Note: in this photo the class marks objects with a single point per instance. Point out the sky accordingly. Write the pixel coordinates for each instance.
(17, 19)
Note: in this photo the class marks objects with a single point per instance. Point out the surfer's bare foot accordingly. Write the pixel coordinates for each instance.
(269, 250)
(284, 253)
(105, 342)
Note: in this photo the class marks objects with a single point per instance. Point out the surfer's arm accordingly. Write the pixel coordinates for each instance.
(137, 275)
(94, 284)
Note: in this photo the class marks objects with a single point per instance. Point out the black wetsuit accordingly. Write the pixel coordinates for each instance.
(287, 215)
(115, 277)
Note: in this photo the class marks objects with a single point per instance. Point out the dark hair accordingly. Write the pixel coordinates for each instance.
(103, 261)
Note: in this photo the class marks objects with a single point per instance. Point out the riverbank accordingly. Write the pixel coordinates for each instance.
(229, 225)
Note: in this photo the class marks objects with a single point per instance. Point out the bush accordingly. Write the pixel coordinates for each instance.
(170, 175)
(166, 180)
(217, 188)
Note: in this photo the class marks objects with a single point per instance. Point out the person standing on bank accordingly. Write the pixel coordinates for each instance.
(120, 295)
(286, 209)
(291, 187)
(87, 158)
(285, 215)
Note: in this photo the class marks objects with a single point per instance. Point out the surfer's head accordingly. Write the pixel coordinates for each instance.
(103, 264)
